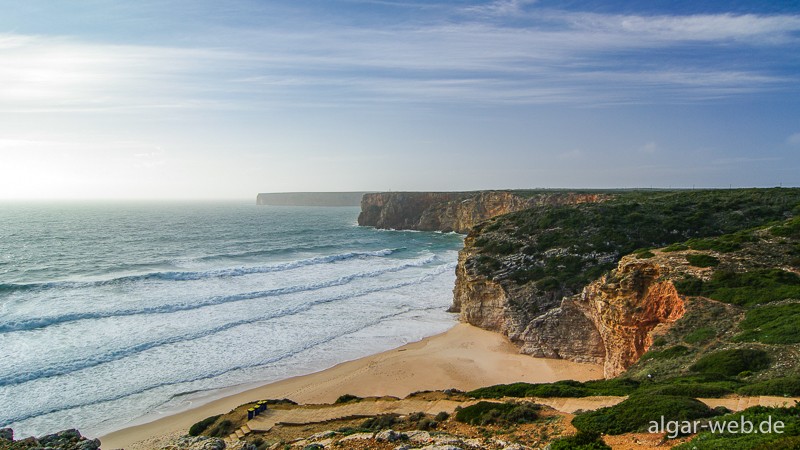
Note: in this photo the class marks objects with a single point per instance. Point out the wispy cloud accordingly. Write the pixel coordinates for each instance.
(558, 57)
(794, 139)
(500, 7)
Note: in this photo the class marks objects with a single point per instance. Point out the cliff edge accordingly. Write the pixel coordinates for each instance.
(455, 211)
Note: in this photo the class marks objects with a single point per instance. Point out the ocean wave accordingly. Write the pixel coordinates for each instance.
(120, 394)
(198, 275)
(21, 377)
(43, 322)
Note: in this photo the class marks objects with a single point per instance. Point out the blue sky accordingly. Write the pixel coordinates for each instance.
(208, 99)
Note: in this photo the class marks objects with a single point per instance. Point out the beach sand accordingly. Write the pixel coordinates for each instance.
(464, 357)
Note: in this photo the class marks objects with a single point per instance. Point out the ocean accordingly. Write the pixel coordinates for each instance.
(114, 311)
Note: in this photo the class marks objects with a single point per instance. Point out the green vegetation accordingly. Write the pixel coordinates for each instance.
(199, 427)
(380, 422)
(700, 260)
(732, 362)
(571, 245)
(773, 324)
(490, 413)
(580, 441)
(746, 288)
(566, 388)
(789, 229)
(635, 413)
(759, 441)
(700, 335)
(667, 353)
(785, 386)
(222, 429)
(347, 398)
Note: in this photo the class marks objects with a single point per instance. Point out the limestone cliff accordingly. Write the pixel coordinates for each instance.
(567, 281)
(455, 211)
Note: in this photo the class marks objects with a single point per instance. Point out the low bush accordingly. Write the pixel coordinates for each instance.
(490, 413)
(745, 289)
(636, 413)
(223, 429)
(732, 362)
(786, 386)
(565, 388)
(778, 324)
(701, 260)
(199, 427)
(380, 422)
(347, 398)
(755, 441)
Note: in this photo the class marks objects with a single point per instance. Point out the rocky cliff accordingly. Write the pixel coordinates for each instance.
(455, 211)
(567, 281)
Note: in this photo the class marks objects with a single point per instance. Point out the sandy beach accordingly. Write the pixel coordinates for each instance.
(464, 357)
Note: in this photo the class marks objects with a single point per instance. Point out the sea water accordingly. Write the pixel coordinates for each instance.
(110, 312)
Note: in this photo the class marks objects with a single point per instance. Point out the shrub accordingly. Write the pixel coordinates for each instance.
(700, 260)
(741, 441)
(778, 324)
(347, 398)
(746, 288)
(635, 413)
(580, 441)
(787, 386)
(442, 416)
(693, 390)
(380, 422)
(201, 426)
(223, 429)
(488, 413)
(732, 362)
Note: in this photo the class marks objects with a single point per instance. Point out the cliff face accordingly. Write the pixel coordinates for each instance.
(454, 211)
(611, 320)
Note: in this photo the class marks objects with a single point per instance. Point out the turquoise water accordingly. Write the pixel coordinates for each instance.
(109, 312)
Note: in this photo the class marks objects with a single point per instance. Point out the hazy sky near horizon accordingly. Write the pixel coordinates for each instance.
(209, 99)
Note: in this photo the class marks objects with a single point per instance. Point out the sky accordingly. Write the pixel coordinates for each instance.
(201, 99)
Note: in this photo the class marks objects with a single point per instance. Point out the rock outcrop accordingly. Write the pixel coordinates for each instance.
(63, 440)
(455, 211)
(611, 320)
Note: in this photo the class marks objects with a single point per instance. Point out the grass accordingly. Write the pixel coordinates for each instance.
(635, 413)
(773, 324)
(667, 353)
(732, 362)
(700, 335)
(347, 398)
(744, 288)
(491, 413)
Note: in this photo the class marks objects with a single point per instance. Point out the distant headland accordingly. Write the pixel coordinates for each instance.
(310, 198)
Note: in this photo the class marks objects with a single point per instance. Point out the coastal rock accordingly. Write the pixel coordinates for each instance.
(6, 434)
(389, 436)
(609, 322)
(454, 211)
(196, 443)
(419, 437)
(357, 437)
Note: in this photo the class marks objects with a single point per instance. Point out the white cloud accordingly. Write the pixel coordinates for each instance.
(500, 7)
(558, 58)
